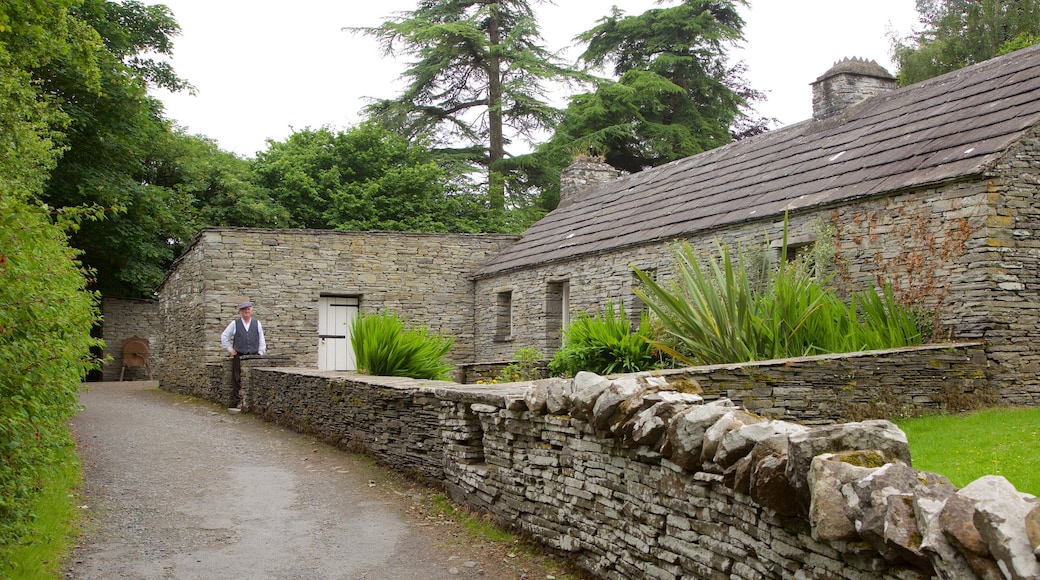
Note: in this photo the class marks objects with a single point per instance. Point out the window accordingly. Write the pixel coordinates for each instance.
(635, 307)
(504, 315)
(557, 312)
(797, 248)
(800, 250)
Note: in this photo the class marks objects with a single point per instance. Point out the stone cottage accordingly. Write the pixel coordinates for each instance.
(935, 187)
(307, 286)
(932, 186)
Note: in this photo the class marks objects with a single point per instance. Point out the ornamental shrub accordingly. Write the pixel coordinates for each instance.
(384, 347)
(527, 365)
(605, 345)
(46, 315)
(724, 310)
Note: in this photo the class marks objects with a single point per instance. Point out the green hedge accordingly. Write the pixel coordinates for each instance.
(46, 315)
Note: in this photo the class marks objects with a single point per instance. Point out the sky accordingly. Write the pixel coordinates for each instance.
(264, 68)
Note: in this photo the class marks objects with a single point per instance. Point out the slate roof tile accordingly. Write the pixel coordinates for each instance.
(949, 127)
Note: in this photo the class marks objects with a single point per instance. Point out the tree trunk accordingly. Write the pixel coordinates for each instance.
(496, 144)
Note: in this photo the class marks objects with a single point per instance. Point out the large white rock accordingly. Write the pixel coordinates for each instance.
(1000, 517)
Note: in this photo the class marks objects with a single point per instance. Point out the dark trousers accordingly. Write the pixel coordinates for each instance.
(236, 380)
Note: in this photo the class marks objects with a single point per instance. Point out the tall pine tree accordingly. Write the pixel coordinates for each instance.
(674, 93)
(478, 81)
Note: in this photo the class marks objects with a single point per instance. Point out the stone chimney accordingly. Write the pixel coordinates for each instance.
(847, 83)
(585, 173)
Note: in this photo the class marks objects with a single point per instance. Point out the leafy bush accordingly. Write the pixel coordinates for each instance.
(726, 311)
(605, 345)
(526, 366)
(384, 347)
(46, 316)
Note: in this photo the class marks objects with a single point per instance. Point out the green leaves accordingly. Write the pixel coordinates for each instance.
(958, 33)
(605, 345)
(675, 96)
(476, 82)
(720, 310)
(366, 179)
(384, 347)
(46, 316)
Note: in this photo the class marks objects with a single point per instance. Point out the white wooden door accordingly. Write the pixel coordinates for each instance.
(335, 316)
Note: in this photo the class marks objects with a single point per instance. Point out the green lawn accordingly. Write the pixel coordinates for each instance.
(966, 447)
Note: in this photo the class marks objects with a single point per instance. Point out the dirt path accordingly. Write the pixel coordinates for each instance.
(178, 488)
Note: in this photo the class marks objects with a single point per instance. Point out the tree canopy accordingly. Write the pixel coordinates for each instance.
(478, 81)
(958, 33)
(112, 139)
(674, 94)
(367, 178)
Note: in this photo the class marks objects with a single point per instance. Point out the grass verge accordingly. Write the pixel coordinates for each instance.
(43, 549)
(1003, 442)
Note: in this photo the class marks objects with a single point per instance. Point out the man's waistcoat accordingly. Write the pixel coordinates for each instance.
(247, 341)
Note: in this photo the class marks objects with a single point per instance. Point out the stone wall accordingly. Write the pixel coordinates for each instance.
(945, 247)
(124, 318)
(422, 277)
(825, 389)
(187, 326)
(637, 480)
(1010, 294)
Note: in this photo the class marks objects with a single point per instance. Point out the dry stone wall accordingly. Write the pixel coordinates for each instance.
(638, 480)
(187, 329)
(124, 318)
(832, 388)
(1011, 294)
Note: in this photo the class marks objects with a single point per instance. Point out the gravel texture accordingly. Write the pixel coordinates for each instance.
(178, 488)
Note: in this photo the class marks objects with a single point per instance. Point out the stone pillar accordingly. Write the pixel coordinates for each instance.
(847, 83)
(582, 175)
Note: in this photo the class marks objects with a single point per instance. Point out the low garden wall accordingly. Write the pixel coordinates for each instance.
(637, 479)
(832, 388)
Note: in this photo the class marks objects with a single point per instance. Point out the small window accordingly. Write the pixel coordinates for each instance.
(557, 312)
(798, 248)
(504, 315)
(796, 252)
(635, 307)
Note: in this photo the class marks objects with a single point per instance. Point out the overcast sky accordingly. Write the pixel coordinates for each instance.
(263, 68)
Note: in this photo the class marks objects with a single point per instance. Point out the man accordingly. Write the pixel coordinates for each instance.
(244, 336)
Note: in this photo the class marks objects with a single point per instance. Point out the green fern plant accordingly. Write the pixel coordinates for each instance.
(384, 347)
(605, 345)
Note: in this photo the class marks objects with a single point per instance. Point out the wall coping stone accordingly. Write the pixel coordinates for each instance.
(704, 369)
(499, 395)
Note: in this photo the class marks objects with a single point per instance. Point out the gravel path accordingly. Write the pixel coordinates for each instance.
(178, 488)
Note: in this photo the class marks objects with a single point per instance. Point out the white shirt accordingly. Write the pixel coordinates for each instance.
(228, 335)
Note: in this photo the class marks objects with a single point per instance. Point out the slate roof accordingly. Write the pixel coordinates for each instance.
(948, 127)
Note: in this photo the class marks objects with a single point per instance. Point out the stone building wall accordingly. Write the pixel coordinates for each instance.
(637, 480)
(186, 329)
(946, 247)
(124, 318)
(422, 277)
(1010, 295)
